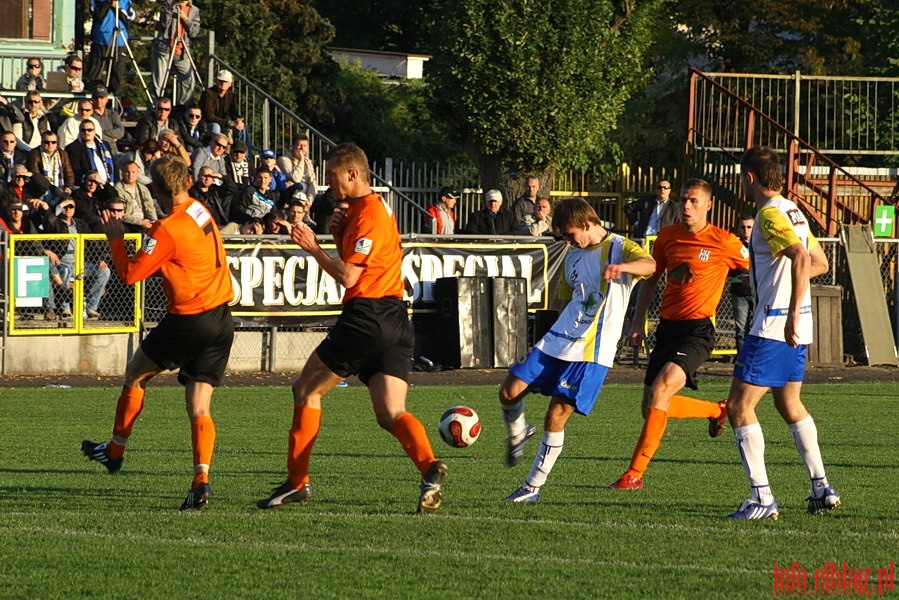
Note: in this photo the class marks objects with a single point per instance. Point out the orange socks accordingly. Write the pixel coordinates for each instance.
(202, 440)
(131, 402)
(650, 439)
(303, 431)
(414, 439)
(682, 407)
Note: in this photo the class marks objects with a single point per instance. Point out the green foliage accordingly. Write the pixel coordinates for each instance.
(539, 86)
(389, 120)
(69, 530)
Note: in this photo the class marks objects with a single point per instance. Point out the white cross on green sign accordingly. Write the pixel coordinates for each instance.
(883, 221)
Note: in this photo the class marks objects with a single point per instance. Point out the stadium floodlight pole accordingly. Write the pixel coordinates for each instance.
(112, 54)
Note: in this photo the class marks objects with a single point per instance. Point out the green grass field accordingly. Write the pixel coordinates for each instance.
(69, 530)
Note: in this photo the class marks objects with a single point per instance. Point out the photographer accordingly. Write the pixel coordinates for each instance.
(179, 22)
(109, 34)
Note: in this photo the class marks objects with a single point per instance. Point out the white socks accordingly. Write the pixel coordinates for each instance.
(751, 446)
(550, 449)
(513, 416)
(805, 434)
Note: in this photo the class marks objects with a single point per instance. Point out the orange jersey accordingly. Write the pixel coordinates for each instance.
(697, 266)
(371, 239)
(186, 248)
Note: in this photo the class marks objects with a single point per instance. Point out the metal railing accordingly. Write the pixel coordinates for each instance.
(722, 125)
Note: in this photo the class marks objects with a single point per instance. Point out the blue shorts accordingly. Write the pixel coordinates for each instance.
(579, 382)
(769, 363)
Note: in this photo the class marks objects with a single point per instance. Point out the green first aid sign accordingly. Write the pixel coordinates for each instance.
(31, 278)
(883, 221)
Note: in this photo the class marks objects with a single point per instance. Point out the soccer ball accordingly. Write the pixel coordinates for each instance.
(459, 426)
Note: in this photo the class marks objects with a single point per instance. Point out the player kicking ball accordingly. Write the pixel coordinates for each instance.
(571, 361)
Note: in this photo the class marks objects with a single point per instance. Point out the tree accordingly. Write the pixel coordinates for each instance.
(538, 86)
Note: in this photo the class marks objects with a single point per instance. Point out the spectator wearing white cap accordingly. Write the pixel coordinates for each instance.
(219, 106)
(493, 219)
(179, 23)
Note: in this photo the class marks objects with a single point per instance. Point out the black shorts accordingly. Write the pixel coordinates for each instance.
(199, 345)
(372, 335)
(688, 344)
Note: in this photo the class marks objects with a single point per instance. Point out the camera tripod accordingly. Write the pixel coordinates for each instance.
(112, 53)
(173, 43)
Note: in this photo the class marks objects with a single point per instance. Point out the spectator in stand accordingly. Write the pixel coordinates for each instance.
(237, 164)
(140, 212)
(157, 121)
(220, 108)
(90, 153)
(68, 131)
(651, 214)
(740, 286)
(443, 214)
(216, 197)
(279, 178)
(540, 222)
(195, 129)
(142, 157)
(298, 166)
(108, 118)
(275, 223)
(72, 67)
(493, 219)
(212, 156)
(90, 199)
(23, 186)
(298, 212)
(253, 226)
(170, 143)
(106, 15)
(524, 205)
(10, 156)
(254, 200)
(96, 273)
(32, 79)
(53, 163)
(179, 23)
(33, 121)
(321, 210)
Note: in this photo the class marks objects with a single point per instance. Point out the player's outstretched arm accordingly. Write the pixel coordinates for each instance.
(641, 267)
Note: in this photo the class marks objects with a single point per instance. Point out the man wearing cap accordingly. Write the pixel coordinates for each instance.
(493, 219)
(179, 23)
(268, 159)
(109, 119)
(237, 164)
(220, 107)
(443, 215)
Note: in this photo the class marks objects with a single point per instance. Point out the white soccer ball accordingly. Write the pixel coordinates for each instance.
(460, 426)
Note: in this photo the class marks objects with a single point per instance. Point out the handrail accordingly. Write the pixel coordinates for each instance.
(795, 147)
(319, 142)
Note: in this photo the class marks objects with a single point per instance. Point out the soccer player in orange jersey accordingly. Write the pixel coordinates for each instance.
(196, 333)
(373, 337)
(696, 256)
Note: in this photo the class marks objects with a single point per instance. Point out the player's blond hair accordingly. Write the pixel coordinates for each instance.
(169, 174)
(351, 156)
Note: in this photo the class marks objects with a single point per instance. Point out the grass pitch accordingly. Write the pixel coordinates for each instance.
(69, 530)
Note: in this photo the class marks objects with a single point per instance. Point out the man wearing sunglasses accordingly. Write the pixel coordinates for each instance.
(650, 214)
(33, 122)
(157, 120)
(196, 130)
(212, 156)
(84, 113)
(90, 153)
(32, 78)
(53, 163)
